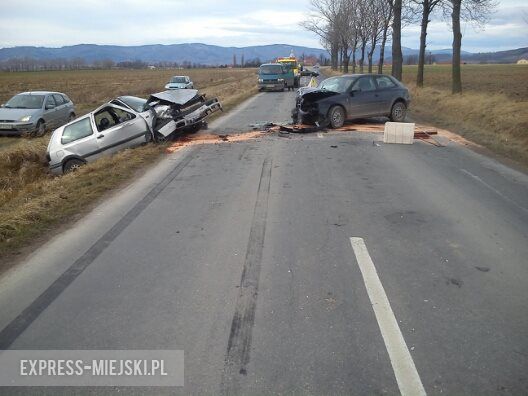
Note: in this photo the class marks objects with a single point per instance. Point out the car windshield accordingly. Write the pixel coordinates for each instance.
(137, 104)
(25, 101)
(271, 69)
(178, 80)
(337, 84)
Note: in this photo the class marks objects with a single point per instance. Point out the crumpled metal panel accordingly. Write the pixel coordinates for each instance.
(176, 96)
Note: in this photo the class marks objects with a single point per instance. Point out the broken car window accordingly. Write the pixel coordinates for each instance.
(110, 117)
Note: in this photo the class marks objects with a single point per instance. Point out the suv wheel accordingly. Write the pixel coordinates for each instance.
(398, 112)
(336, 116)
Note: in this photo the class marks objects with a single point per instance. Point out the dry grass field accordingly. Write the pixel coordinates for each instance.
(32, 202)
(492, 111)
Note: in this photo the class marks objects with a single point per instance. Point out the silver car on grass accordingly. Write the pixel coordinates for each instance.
(180, 82)
(124, 122)
(33, 113)
(127, 121)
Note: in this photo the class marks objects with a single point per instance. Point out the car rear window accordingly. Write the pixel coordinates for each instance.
(58, 99)
(385, 82)
(76, 131)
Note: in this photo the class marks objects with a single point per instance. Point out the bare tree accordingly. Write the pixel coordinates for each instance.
(425, 8)
(375, 29)
(476, 11)
(323, 21)
(397, 56)
(387, 21)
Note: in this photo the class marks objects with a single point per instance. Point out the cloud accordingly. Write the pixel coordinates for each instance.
(220, 22)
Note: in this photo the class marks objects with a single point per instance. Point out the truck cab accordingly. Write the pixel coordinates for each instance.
(271, 76)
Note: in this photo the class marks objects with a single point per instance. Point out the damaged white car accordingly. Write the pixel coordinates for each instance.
(127, 121)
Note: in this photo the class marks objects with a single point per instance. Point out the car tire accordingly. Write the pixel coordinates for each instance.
(72, 165)
(41, 129)
(336, 116)
(195, 127)
(398, 112)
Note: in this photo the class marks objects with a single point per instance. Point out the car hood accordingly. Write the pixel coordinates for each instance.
(16, 114)
(179, 97)
(316, 94)
(175, 85)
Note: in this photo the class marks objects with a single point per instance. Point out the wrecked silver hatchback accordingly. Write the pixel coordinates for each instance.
(124, 122)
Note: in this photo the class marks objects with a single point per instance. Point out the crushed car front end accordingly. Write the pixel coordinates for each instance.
(311, 106)
(181, 109)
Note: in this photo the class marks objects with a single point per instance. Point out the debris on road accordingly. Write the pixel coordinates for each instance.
(191, 140)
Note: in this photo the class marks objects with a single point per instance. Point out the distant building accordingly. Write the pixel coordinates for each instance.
(522, 62)
(152, 67)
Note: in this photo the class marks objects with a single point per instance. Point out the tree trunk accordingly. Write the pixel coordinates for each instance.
(346, 60)
(382, 50)
(397, 57)
(354, 48)
(423, 43)
(334, 55)
(362, 60)
(457, 45)
(369, 56)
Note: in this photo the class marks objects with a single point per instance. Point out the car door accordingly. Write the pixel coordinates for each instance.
(78, 139)
(50, 114)
(363, 98)
(387, 91)
(61, 110)
(121, 129)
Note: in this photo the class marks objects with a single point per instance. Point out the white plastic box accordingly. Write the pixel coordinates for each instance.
(399, 132)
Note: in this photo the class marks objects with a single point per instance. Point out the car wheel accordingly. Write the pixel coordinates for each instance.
(336, 116)
(398, 112)
(41, 128)
(72, 165)
(195, 127)
(71, 117)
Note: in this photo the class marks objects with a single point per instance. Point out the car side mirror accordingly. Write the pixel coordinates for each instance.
(49, 107)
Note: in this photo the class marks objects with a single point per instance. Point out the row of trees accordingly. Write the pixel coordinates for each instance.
(350, 27)
(32, 64)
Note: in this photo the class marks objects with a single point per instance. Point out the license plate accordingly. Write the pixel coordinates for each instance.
(6, 126)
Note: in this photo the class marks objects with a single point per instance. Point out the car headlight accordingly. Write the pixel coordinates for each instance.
(280, 80)
(261, 80)
(25, 119)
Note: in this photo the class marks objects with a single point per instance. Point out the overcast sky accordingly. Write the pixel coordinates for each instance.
(55, 23)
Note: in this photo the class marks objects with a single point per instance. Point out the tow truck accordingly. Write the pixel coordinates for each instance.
(291, 63)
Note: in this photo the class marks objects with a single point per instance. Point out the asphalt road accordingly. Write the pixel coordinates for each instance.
(240, 255)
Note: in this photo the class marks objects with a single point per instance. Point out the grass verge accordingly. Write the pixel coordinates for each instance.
(33, 204)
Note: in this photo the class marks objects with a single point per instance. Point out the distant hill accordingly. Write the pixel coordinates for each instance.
(191, 52)
(217, 55)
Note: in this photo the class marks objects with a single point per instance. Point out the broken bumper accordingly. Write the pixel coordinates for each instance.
(194, 117)
(310, 116)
